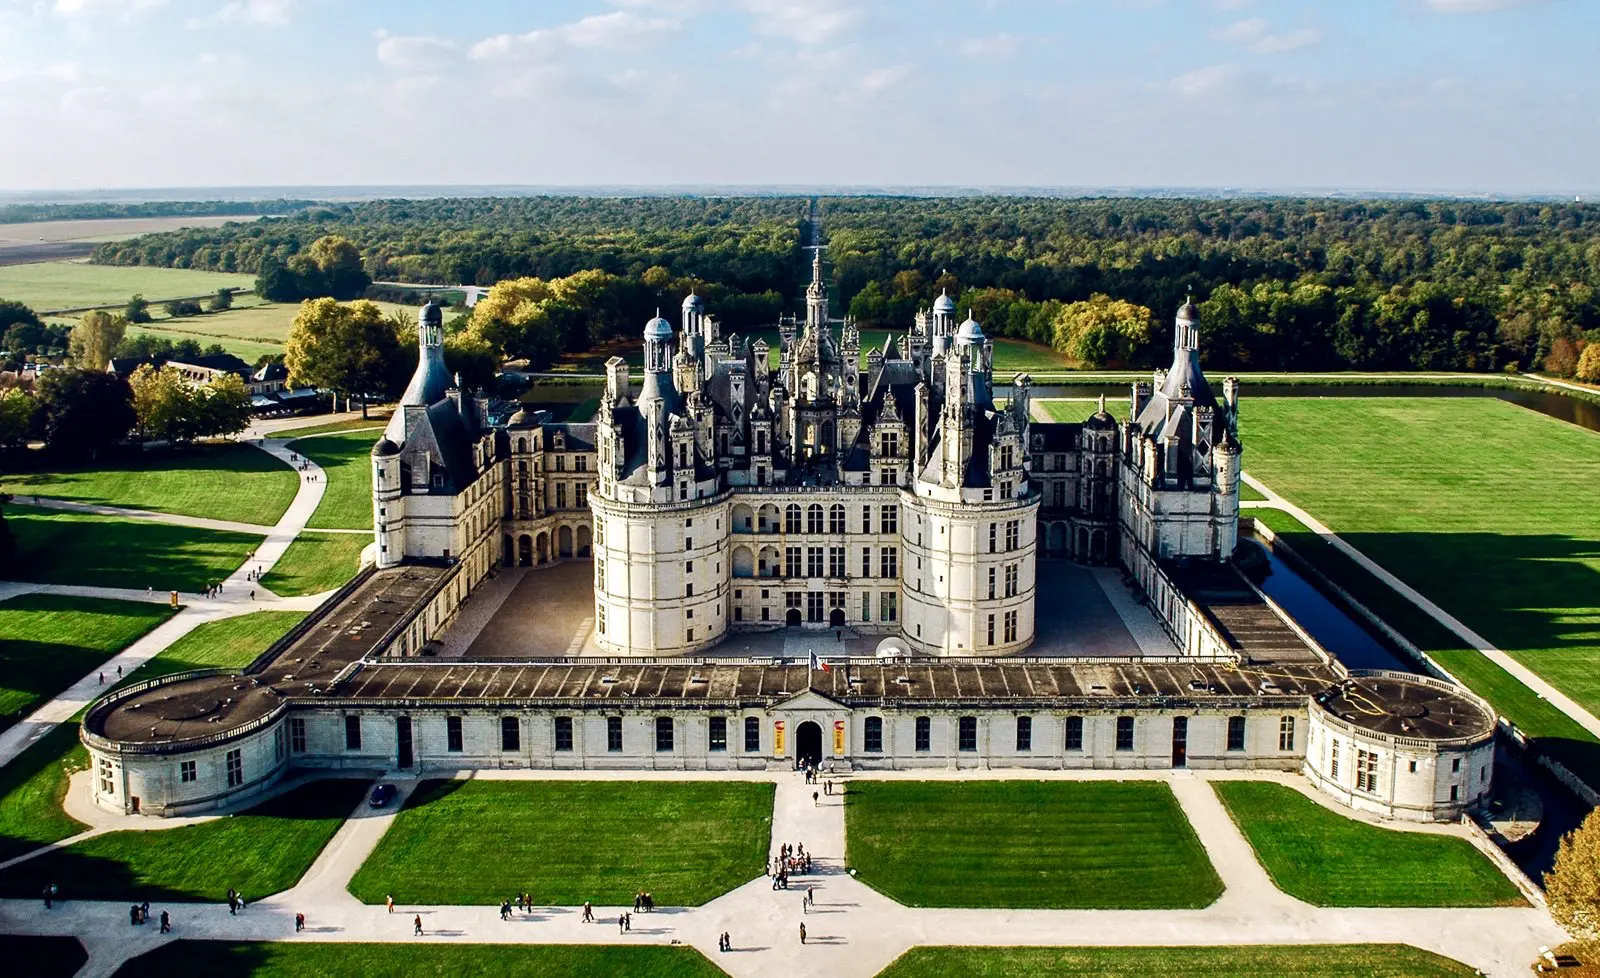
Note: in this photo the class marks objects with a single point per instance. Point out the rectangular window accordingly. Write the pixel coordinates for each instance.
(563, 733)
(663, 734)
(991, 587)
(866, 519)
(1012, 534)
(1011, 626)
(888, 605)
(866, 605)
(1011, 580)
(297, 735)
(352, 731)
(582, 463)
(990, 639)
(813, 561)
(835, 561)
(890, 519)
(886, 477)
(1411, 768)
(1124, 733)
(614, 734)
(561, 495)
(872, 735)
(235, 769)
(452, 734)
(561, 463)
(967, 734)
(924, 733)
(1024, 734)
(992, 536)
(186, 772)
(108, 784)
(510, 734)
(1333, 759)
(1074, 733)
(752, 735)
(1455, 792)
(580, 495)
(717, 736)
(1236, 733)
(791, 561)
(889, 562)
(1366, 771)
(1455, 765)
(866, 561)
(1286, 733)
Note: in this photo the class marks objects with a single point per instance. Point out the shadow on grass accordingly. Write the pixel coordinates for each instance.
(57, 547)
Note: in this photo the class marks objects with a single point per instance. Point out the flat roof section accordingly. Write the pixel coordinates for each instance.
(1397, 705)
(1241, 614)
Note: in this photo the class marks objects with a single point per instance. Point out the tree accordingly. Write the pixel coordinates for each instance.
(349, 349)
(224, 406)
(1589, 363)
(163, 405)
(180, 308)
(137, 310)
(220, 302)
(21, 330)
(16, 418)
(472, 359)
(1563, 358)
(94, 340)
(339, 262)
(1572, 886)
(84, 411)
(1101, 330)
(274, 281)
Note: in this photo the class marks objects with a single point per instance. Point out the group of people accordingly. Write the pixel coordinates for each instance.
(724, 941)
(139, 914)
(644, 901)
(212, 591)
(235, 901)
(790, 859)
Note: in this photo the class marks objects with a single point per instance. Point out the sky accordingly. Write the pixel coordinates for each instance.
(1462, 96)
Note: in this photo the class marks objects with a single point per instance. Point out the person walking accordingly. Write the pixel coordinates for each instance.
(166, 922)
(811, 896)
(627, 922)
(416, 926)
(814, 802)
(802, 932)
(47, 896)
(299, 922)
(388, 901)
(588, 912)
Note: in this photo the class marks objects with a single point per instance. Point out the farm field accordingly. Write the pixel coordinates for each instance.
(1322, 961)
(316, 562)
(45, 286)
(346, 461)
(31, 789)
(223, 959)
(1045, 844)
(1485, 507)
(258, 852)
(50, 641)
(228, 643)
(104, 229)
(251, 329)
(1328, 860)
(221, 481)
(466, 842)
(55, 547)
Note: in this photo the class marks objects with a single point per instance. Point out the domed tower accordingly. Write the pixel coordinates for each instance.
(388, 504)
(431, 380)
(697, 329)
(943, 322)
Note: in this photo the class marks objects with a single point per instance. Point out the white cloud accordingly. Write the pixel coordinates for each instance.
(119, 8)
(1255, 34)
(273, 13)
(412, 53)
(805, 21)
(993, 46)
(620, 28)
(882, 78)
(1241, 31)
(1292, 41)
(1474, 6)
(1204, 81)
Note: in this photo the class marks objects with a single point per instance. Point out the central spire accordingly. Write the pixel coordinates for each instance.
(816, 292)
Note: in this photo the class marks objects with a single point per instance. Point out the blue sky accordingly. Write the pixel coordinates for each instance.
(1430, 95)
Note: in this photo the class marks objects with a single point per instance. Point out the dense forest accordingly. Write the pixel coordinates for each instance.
(101, 210)
(1283, 283)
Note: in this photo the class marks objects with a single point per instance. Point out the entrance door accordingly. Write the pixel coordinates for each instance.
(1180, 741)
(402, 736)
(836, 617)
(808, 743)
(792, 617)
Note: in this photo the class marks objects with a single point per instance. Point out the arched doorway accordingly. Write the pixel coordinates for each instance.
(793, 617)
(583, 540)
(525, 551)
(836, 617)
(808, 744)
(543, 547)
(564, 541)
(508, 551)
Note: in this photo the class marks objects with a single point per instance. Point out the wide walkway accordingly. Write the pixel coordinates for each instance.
(851, 931)
(1524, 675)
(240, 596)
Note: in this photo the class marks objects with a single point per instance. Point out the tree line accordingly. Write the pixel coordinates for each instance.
(103, 210)
(1283, 284)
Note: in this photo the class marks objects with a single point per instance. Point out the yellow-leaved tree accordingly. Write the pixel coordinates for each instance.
(1101, 330)
(1572, 886)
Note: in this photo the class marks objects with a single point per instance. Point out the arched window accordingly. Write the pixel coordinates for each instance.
(791, 518)
(873, 735)
(522, 445)
(814, 518)
(836, 518)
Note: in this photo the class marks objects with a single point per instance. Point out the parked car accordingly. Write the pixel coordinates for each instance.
(382, 795)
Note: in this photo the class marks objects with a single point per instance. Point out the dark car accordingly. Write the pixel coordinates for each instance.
(382, 795)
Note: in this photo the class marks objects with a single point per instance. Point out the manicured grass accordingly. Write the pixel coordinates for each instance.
(1020, 356)
(1485, 507)
(224, 959)
(1248, 493)
(31, 789)
(1078, 411)
(69, 284)
(1329, 860)
(220, 481)
(477, 842)
(250, 351)
(1049, 844)
(49, 641)
(55, 547)
(316, 562)
(228, 643)
(1321, 960)
(379, 417)
(42, 957)
(258, 852)
(346, 460)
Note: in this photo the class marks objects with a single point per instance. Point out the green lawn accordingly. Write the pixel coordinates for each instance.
(69, 284)
(55, 547)
(1249, 961)
(228, 643)
(31, 789)
(346, 460)
(1249, 494)
(48, 642)
(224, 959)
(475, 842)
(258, 852)
(221, 481)
(316, 562)
(1327, 859)
(1077, 411)
(1485, 507)
(1048, 844)
(250, 351)
(379, 418)
(1020, 356)
(43, 957)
